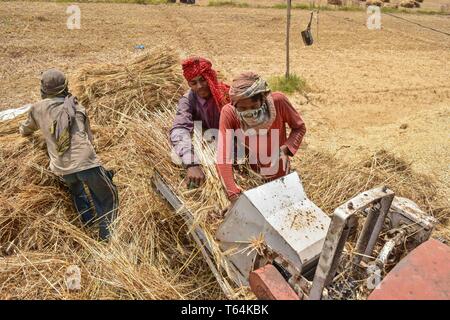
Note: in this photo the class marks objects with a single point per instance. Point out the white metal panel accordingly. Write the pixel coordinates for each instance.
(291, 224)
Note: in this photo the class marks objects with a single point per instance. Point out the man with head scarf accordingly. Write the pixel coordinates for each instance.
(203, 103)
(65, 127)
(256, 118)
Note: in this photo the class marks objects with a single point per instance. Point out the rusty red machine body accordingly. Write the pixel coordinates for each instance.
(424, 274)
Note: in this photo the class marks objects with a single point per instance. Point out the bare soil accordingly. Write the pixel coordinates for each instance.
(369, 89)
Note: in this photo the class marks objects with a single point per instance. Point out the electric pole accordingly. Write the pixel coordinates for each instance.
(288, 28)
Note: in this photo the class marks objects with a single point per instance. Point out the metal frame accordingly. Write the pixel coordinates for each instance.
(378, 201)
(197, 233)
(271, 209)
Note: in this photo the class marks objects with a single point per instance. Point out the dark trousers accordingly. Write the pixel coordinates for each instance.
(103, 193)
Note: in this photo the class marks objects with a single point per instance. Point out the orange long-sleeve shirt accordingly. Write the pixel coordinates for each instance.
(263, 146)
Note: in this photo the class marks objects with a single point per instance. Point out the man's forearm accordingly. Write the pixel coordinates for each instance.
(27, 127)
(295, 139)
(226, 174)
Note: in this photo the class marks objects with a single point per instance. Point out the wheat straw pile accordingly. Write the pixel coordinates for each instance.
(114, 90)
(410, 4)
(151, 255)
(205, 203)
(328, 183)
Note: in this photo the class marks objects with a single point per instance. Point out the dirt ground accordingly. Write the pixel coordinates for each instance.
(434, 5)
(365, 84)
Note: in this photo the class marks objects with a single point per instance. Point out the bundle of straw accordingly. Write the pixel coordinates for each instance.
(205, 203)
(150, 255)
(110, 91)
(409, 4)
(378, 3)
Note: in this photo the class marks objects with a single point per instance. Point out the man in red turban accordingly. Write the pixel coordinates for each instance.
(203, 102)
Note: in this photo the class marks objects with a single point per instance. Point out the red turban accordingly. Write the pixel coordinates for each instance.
(197, 66)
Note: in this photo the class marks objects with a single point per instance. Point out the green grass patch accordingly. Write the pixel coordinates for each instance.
(289, 85)
(150, 1)
(228, 4)
(393, 10)
(307, 6)
(348, 8)
(409, 11)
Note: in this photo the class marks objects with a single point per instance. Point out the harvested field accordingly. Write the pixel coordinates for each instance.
(377, 113)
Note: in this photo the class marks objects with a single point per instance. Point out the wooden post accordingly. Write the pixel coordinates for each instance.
(288, 27)
(317, 35)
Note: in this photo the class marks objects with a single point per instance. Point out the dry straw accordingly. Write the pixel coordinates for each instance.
(151, 255)
(327, 181)
(145, 82)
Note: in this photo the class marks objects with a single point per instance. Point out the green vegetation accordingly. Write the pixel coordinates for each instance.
(288, 85)
(228, 4)
(150, 1)
(296, 6)
(404, 10)
(306, 6)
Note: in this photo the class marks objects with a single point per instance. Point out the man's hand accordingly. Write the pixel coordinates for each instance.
(284, 156)
(195, 176)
